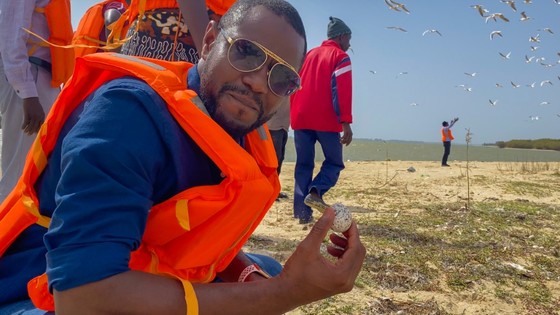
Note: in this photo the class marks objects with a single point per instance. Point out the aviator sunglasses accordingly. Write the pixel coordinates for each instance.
(245, 55)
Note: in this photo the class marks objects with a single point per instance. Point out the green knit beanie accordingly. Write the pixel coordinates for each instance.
(336, 28)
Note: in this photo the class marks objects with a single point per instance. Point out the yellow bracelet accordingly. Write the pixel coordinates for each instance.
(190, 297)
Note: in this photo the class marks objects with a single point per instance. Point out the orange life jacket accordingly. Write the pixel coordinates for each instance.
(192, 235)
(446, 135)
(86, 38)
(57, 13)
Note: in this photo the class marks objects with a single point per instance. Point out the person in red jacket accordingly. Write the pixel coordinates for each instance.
(320, 111)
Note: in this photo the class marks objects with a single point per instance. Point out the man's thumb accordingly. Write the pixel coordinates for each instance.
(322, 226)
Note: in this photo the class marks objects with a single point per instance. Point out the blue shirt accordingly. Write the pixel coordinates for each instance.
(120, 153)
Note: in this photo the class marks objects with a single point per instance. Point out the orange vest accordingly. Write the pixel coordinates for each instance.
(57, 13)
(192, 235)
(446, 136)
(92, 23)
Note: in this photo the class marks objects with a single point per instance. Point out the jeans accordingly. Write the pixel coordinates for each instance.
(279, 139)
(446, 151)
(305, 163)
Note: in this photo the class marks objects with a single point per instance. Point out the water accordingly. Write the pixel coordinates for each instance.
(370, 150)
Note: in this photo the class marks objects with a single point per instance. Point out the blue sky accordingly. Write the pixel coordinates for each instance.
(435, 67)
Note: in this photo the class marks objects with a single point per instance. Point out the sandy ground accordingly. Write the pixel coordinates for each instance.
(428, 182)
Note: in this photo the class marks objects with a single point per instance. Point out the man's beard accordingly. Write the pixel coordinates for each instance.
(234, 129)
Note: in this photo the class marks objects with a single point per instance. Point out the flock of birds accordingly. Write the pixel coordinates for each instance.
(493, 17)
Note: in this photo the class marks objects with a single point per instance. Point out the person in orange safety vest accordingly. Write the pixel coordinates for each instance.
(446, 138)
(148, 177)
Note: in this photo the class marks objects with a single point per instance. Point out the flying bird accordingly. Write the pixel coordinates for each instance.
(528, 1)
(524, 17)
(396, 28)
(431, 31)
(495, 33)
(506, 56)
(535, 39)
(533, 48)
(546, 82)
(493, 16)
(511, 3)
(529, 59)
(480, 9)
(401, 73)
(545, 103)
(547, 29)
(373, 72)
(498, 85)
(471, 74)
(515, 86)
(493, 103)
(534, 117)
(394, 5)
(413, 104)
(532, 85)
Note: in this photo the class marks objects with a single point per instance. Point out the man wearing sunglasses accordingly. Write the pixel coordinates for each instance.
(319, 112)
(151, 189)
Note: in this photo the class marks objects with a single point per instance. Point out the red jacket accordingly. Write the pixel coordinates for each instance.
(325, 100)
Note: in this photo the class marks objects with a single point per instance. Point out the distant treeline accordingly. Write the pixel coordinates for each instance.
(540, 144)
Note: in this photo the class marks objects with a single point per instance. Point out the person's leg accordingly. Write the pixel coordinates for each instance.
(279, 139)
(446, 151)
(15, 143)
(24, 307)
(303, 173)
(332, 165)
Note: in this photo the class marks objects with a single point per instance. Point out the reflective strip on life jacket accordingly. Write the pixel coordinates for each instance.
(57, 13)
(194, 234)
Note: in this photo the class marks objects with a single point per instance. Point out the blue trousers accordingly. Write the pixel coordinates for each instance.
(25, 307)
(328, 174)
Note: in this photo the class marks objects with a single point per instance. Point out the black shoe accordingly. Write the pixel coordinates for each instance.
(282, 195)
(445, 165)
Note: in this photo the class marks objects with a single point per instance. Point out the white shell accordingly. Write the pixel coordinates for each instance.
(343, 218)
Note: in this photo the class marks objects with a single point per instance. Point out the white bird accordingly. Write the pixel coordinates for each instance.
(394, 5)
(493, 103)
(431, 31)
(534, 117)
(556, 1)
(529, 59)
(493, 16)
(413, 104)
(495, 33)
(471, 74)
(535, 39)
(482, 11)
(546, 29)
(545, 82)
(515, 86)
(524, 17)
(511, 3)
(545, 103)
(498, 85)
(533, 48)
(373, 72)
(506, 56)
(528, 1)
(532, 85)
(396, 28)
(468, 89)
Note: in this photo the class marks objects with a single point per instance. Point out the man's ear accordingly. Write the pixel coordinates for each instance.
(210, 36)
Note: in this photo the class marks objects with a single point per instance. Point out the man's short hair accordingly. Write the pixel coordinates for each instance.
(238, 11)
(445, 124)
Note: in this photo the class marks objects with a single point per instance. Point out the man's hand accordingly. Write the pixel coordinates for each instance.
(346, 134)
(33, 115)
(315, 277)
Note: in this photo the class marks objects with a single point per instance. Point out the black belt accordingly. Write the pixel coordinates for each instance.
(41, 63)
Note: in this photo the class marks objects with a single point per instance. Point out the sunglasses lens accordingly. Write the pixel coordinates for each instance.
(283, 81)
(246, 56)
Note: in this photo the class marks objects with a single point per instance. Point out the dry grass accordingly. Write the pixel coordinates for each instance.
(428, 254)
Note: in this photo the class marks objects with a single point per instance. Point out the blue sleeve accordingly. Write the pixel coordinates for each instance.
(109, 163)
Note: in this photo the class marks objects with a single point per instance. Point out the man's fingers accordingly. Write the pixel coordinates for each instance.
(321, 228)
